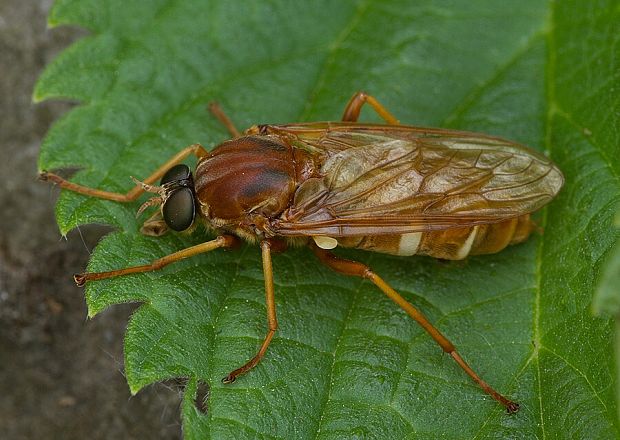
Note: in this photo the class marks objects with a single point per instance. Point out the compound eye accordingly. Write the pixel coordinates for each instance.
(177, 172)
(179, 209)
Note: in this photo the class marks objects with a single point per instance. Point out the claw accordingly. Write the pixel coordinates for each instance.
(229, 379)
(80, 279)
(512, 408)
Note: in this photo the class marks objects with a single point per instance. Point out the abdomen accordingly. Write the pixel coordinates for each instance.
(449, 244)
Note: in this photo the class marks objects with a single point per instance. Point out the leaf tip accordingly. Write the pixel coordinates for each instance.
(53, 17)
(52, 23)
(133, 388)
(37, 95)
(64, 228)
(92, 310)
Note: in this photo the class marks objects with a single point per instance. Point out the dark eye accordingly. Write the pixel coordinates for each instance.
(179, 209)
(177, 172)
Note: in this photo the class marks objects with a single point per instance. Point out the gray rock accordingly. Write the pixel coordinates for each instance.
(60, 374)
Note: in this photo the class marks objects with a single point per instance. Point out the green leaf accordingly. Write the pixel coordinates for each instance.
(346, 362)
(607, 298)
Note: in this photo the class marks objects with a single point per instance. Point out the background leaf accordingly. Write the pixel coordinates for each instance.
(607, 298)
(346, 362)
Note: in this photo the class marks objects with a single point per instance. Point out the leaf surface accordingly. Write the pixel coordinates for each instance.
(346, 362)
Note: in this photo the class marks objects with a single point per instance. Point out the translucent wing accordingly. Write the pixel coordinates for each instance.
(397, 179)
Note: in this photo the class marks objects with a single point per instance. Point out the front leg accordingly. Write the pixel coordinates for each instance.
(195, 149)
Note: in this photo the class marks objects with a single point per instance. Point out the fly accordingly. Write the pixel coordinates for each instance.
(387, 188)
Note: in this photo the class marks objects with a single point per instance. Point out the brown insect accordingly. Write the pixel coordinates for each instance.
(389, 188)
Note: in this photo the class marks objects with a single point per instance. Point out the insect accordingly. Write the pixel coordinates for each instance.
(387, 188)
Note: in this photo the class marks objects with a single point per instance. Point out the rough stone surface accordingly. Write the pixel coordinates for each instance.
(60, 373)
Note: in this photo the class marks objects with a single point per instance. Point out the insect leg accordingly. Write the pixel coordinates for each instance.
(217, 111)
(354, 107)
(355, 268)
(271, 315)
(196, 149)
(221, 241)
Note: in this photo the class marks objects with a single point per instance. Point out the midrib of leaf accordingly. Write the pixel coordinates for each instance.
(536, 331)
(549, 74)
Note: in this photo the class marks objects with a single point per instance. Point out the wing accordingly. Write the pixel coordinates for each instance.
(377, 179)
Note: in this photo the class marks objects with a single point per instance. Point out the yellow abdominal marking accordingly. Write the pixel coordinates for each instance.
(466, 247)
(325, 242)
(409, 243)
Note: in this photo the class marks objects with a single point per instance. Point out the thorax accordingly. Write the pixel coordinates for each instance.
(245, 182)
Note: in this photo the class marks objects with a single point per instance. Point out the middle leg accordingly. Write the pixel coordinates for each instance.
(272, 321)
(225, 241)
